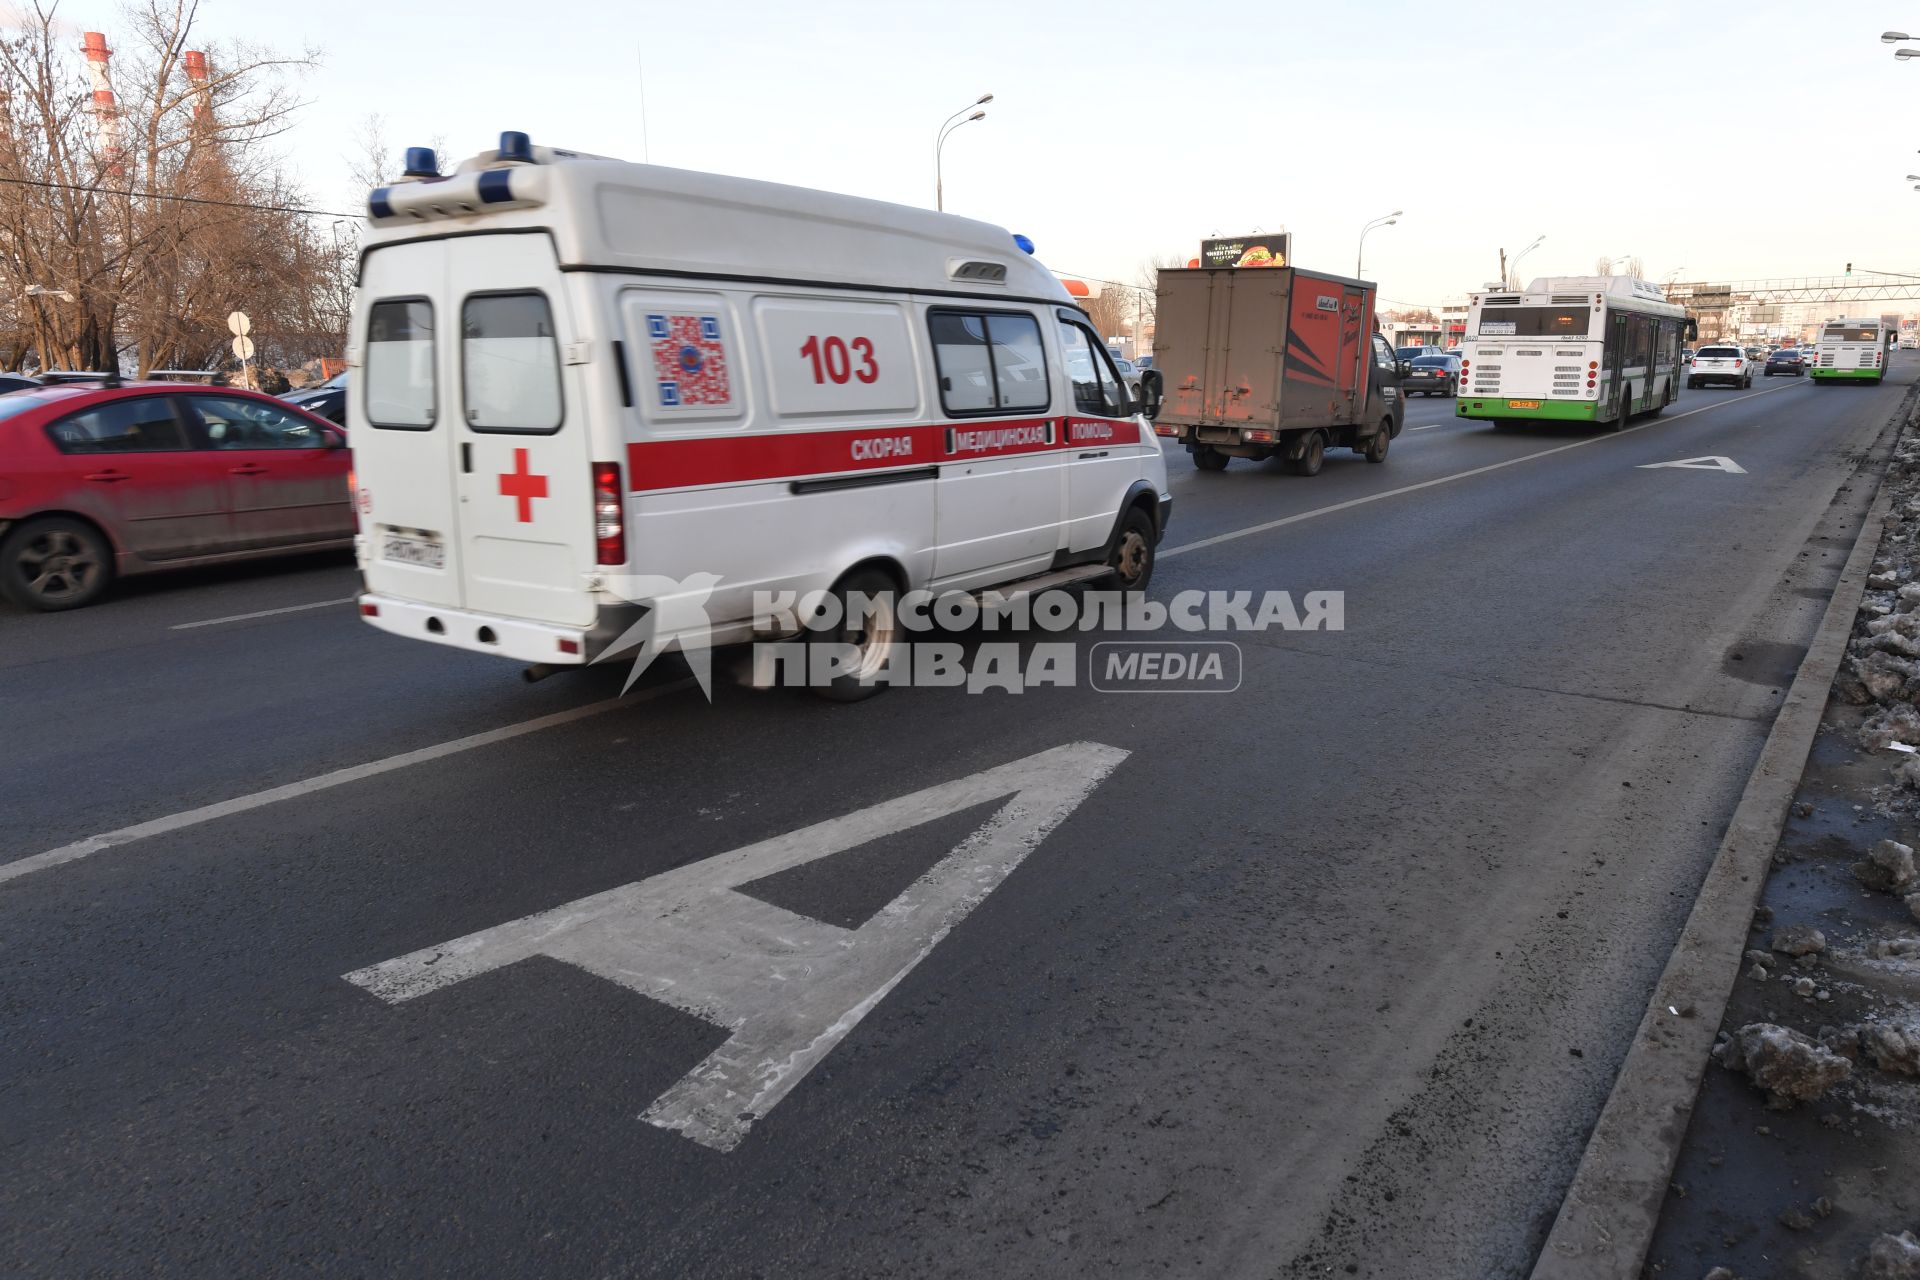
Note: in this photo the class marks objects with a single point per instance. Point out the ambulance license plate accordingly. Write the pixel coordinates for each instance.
(1523, 404)
(429, 552)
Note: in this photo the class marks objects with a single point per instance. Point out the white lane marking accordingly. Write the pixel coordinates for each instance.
(320, 782)
(258, 613)
(1329, 509)
(787, 987)
(1429, 427)
(1713, 462)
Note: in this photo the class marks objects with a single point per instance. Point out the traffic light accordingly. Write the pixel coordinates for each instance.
(1849, 268)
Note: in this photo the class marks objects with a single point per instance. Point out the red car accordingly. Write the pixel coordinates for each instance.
(98, 480)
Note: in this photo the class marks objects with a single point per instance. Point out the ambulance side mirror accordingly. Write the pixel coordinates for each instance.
(1152, 393)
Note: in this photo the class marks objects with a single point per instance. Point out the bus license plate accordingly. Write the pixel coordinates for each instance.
(1523, 404)
(428, 552)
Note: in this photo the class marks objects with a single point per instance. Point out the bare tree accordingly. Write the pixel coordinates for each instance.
(157, 233)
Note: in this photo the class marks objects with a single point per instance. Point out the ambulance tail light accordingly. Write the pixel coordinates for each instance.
(609, 515)
(353, 496)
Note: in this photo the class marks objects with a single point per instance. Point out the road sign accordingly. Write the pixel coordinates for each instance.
(1713, 463)
(238, 324)
(787, 987)
(243, 346)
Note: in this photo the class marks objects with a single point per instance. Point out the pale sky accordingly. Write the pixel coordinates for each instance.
(1726, 142)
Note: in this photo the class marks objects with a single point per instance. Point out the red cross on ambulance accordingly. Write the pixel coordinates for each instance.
(522, 486)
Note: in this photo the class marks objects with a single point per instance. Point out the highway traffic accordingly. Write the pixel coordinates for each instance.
(331, 950)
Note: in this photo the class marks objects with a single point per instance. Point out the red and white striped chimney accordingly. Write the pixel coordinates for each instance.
(202, 95)
(106, 111)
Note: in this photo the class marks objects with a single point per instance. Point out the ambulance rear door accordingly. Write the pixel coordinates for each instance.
(523, 473)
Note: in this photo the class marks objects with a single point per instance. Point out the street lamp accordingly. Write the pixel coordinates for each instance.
(42, 291)
(1514, 268)
(953, 122)
(1893, 37)
(1384, 220)
(1904, 54)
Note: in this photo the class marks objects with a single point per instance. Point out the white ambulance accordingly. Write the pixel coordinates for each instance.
(572, 374)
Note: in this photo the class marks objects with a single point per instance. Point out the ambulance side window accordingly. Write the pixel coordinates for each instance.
(399, 367)
(510, 363)
(1096, 389)
(989, 361)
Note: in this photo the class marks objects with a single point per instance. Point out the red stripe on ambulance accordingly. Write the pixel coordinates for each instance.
(682, 464)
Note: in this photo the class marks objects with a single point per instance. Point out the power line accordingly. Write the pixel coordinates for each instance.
(156, 195)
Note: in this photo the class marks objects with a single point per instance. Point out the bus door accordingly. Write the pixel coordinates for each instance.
(1615, 356)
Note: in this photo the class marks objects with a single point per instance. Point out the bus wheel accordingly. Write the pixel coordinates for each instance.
(1209, 459)
(1315, 453)
(1376, 450)
(872, 636)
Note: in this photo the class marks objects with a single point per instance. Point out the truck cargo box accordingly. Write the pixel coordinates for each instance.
(1278, 347)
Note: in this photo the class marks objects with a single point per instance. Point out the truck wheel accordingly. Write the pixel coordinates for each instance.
(873, 638)
(1308, 463)
(54, 564)
(1210, 459)
(1377, 447)
(1132, 556)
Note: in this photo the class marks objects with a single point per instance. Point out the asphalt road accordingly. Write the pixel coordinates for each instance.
(1329, 973)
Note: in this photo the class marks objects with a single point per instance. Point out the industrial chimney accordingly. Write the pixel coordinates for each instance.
(106, 111)
(202, 95)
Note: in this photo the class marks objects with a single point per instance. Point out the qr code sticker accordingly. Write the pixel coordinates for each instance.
(689, 361)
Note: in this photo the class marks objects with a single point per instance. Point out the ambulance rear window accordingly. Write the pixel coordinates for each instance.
(510, 363)
(399, 370)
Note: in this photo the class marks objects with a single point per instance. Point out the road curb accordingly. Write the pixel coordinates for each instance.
(1606, 1223)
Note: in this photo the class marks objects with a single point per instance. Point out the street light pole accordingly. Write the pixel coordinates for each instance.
(1513, 268)
(1360, 257)
(952, 122)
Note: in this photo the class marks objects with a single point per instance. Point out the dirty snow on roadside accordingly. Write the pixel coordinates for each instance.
(1803, 1155)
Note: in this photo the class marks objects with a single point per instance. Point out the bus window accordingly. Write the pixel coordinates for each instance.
(1534, 322)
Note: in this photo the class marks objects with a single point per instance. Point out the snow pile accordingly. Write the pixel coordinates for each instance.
(1786, 1065)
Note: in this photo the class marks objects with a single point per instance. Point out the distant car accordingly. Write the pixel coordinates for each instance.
(1720, 364)
(1143, 363)
(109, 481)
(1758, 355)
(328, 400)
(1129, 374)
(1786, 360)
(1409, 354)
(16, 382)
(1433, 375)
(1686, 355)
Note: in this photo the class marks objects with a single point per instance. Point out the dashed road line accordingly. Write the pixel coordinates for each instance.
(259, 613)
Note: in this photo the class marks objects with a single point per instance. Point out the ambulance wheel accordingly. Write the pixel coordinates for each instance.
(873, 638)
(54, 564)
(1376, 450)
(1210, 459)
(1308, 463)
(1132, 554)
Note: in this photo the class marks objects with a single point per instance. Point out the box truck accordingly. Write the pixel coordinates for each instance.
(1278, 362)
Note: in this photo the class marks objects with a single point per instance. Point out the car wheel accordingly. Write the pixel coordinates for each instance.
(1309, 461)
(1376, 450)
(1132, 556)
(873, 636)
(1209, 459)
(1693, 384)
(54, 564)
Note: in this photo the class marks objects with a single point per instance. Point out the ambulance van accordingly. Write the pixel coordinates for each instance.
(587, 393)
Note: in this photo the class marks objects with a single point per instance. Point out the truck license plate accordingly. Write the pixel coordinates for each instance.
(1523, 404)
(429, 552)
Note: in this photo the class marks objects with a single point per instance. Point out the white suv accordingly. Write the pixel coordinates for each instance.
(1720, 364)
